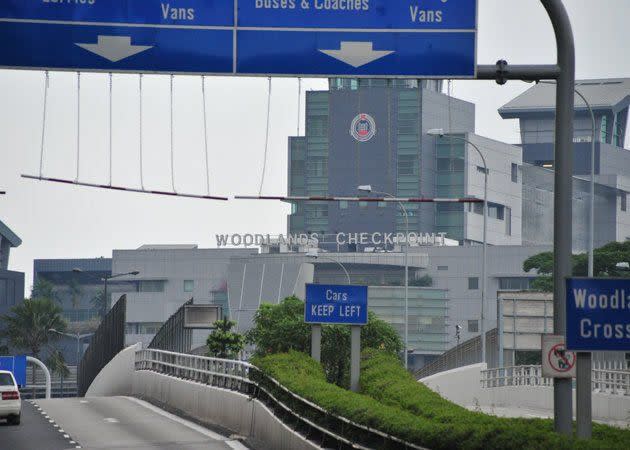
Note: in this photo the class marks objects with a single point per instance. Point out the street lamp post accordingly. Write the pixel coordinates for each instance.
(583, 389)
(591, 235)
(105, 279)
(313, 253)
(368, 188)
(440, 133)
(76, 336)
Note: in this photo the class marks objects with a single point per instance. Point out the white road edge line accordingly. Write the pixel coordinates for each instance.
(174, 418)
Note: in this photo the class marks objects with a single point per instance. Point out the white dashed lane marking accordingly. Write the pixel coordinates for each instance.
(65, 435)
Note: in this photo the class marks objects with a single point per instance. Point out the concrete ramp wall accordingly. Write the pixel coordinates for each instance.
(463, 386)
(115, 378)
(215, 406)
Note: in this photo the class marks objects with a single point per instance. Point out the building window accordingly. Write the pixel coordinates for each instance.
(514, 173)
(363, 204)
(343, 204)
(473, 283)
(407, 165)
(442, 267)
(189, 285)
(496, 211)
(473, 326)
(382, 204)
(624, 201)
(514, 283)
(508, 221)
(151, 286)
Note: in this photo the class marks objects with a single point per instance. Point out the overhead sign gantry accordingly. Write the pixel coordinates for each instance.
(388, 38)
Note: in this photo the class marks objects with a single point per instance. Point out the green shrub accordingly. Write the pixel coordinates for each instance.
(280, 328)
(384, 379)
(393, 402)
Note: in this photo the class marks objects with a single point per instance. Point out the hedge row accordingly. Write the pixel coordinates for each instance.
(395, 404)
(384, 379)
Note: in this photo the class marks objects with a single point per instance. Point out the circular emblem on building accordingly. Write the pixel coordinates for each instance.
(363, 127)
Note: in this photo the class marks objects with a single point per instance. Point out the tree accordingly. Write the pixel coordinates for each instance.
(423, 281)
(99, 302)
(280, 328)
(223, 342)
(75, 292)
(44, 289)
(611, 260)
(28, 325)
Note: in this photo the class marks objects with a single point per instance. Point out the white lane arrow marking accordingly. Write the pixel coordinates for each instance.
(357, 54)
(114, 48)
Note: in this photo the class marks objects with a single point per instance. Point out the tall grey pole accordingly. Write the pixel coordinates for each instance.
(564, 72)
(406, 315)
(563, 186)
(583, 388)
(482, 324)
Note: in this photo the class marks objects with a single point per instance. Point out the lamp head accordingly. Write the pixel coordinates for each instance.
(77, 270)
(439, 132)
(311, 253)
(135, 272)
(365, 188)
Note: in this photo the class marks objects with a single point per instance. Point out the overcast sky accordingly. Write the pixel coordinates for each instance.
(58, 221)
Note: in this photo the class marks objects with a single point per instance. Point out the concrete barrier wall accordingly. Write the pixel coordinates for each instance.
(463, 386)
(115, 378)
(215, 406)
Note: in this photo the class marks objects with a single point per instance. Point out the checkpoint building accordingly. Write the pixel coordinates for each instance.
(374, 132)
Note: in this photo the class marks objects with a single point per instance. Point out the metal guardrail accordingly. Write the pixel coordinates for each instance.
(313, 422)
(607, 378)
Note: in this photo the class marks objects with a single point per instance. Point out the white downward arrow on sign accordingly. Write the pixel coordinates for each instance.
(357, 54)
(114, 48)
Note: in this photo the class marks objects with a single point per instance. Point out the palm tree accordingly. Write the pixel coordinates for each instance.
(44, 289)
(28, 325)
(99, 302)
(75, 292)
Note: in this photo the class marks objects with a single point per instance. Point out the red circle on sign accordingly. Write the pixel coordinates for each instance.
(561, 363)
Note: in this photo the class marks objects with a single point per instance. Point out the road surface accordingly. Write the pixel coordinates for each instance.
(126, 423)
(35, 432)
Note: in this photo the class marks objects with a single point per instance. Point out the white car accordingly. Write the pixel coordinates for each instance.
(10, 403)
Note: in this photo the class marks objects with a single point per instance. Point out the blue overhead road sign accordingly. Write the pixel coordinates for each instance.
(342, 304)
(598, 314)
(384, 38)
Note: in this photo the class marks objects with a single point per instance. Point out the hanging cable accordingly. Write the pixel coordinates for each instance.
(140, 136)
(205, 132)
(172, 146)
(78, 123)
(41, 152)
(110, 128)
(299, 105)
(262, 179)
